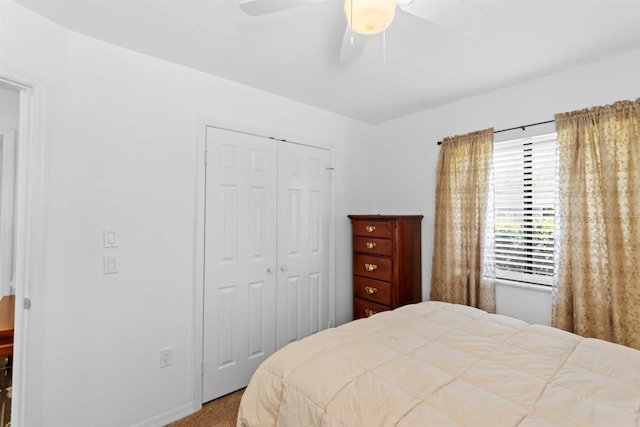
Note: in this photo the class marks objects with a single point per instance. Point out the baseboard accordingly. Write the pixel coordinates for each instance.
(168, 417)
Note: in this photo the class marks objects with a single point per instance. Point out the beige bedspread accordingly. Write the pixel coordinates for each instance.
(437, 364)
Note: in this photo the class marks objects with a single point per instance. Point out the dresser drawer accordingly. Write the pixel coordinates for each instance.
(372, 228)
(363, 308)
(372, 266)
(371, 245)
(372, 290)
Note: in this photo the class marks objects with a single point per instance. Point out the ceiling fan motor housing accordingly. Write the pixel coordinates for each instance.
(369, 16)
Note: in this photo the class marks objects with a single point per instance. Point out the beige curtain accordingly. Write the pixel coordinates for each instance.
(462, 198)
(597, 283)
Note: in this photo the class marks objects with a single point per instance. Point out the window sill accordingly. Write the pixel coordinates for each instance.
(529, 286)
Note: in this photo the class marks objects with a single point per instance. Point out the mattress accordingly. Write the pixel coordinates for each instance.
(439, 364)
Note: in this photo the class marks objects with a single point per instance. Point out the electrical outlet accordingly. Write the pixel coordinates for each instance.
(166, 357)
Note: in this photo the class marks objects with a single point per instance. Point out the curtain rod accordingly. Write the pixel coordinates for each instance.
(523, 127)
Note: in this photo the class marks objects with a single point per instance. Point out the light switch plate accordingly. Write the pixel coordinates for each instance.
(111, 237)
(166, 357)
(110, 263)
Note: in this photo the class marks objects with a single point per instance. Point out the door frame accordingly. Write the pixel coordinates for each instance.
(199, 234)
(32, 154)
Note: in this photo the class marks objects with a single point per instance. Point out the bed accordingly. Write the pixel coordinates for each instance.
(438, 364)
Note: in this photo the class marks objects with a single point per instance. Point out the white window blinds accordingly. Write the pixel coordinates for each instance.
(524, 203)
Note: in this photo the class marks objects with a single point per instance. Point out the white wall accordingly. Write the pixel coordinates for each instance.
(407, 152)
(123, 138)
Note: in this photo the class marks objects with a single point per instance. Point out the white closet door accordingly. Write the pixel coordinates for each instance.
(240, 259)
(303, 241)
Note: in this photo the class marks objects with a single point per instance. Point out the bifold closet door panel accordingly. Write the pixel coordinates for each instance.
(303, 241)
(240, 259)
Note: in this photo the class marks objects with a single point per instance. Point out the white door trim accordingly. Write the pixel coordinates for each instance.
(32, 149)
(199, 234)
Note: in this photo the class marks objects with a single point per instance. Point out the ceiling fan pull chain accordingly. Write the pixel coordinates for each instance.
(384, 47)
(352, 23)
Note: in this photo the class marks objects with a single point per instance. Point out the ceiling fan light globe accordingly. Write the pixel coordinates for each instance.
(369, 16)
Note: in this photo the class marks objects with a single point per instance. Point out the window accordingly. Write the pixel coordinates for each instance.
(524, 203)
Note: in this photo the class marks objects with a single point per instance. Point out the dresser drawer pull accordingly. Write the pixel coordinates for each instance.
(370, 267)
(371, 245)
(371, 228)
(370, 290)
(369, 312)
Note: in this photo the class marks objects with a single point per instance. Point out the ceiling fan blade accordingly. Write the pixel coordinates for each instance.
(446, 13)
(408, 33)
(263, 7)
(352, 45)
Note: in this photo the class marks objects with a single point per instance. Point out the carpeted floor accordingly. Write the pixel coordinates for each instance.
(221, 412)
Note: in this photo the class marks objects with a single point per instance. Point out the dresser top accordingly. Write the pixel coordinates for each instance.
(378, 216)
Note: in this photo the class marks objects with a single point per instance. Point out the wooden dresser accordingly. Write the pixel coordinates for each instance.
(387, 264)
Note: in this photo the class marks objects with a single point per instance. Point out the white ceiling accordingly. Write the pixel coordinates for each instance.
(294, 53)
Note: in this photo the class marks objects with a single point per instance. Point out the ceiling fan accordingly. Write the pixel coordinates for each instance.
(366, 17)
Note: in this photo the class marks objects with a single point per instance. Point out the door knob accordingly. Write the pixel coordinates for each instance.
(283, 268)
(269, 270)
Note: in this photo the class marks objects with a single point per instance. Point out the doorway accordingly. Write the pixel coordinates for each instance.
(9, 124)
(24, 132)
